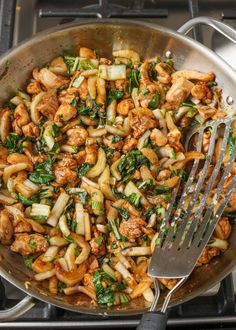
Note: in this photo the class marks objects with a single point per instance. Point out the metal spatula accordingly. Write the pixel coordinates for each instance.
(181, 241)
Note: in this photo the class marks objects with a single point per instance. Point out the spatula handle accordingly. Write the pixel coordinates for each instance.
(153, 321)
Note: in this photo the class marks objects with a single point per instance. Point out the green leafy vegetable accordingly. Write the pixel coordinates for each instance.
(130, 162)
(98, 240)
(28, 201)
(123, 212)
(232, 144)
(153, 71)
(152, 187)
(134, 199)
(104, 295)
(28, 260)
(134, 77)
(116, 138)
(83, 169)
(32, 243)
(11, 142)
(43, 172)
(155, 101)
(69, 239)
(115, 95)
(55, 130)
(82, 196)
(114, 224)
(61, 287)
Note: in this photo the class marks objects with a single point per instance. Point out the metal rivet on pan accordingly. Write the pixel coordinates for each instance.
(229, 100)
(168, 54)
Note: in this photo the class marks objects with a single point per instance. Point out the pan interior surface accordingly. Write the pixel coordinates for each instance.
(105, 36)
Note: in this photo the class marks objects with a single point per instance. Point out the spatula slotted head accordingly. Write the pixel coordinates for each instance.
(187, 228)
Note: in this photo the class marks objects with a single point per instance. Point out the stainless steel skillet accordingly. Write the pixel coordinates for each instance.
(149, 40)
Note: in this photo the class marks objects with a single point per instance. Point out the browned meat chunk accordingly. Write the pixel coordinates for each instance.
(31, 130)
(207, 254)
(169, 283)
(98, 247)
(65, 112)
(34, 87)
(29, 244)
(48, 105)
(65, 171)
(129, 144)
(132, 228)
(201, 91)
(86, 52)
(179, 91)
(21, 118)
(77, 136)
(223, 228)
(6, 227)
(140, 124)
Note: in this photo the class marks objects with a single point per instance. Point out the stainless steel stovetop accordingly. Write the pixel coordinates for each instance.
(22, 19)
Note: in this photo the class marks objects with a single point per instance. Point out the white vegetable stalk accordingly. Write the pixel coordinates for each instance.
(45, 275)
(148, 295)
(70, 256)
(102, 228)
(137, 251)
(112, 72)
(78, 81)
(125, 274)
(31, 185)
(79, 218)
(49, 139)
(123, 260)
(6, 200)
(87, 227)
(64, 226)
(111, 112)
(63, 264)
(40, 210)
(50, 253)
(107, 269)
(58, 241)
(99, 167)
(142, 139)
(34, 113)
(58, 208)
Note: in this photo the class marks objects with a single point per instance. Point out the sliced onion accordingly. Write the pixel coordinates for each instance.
(34, 112)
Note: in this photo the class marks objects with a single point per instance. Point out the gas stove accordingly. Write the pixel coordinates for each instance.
(22, 19)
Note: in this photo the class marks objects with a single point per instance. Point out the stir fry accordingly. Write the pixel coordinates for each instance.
(89, 156)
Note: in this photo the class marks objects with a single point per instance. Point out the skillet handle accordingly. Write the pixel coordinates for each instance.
(19, 309)
(222, 28)
(153, 321)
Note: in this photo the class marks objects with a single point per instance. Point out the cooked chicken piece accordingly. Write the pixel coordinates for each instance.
(206, 141)
(40, 266)
(3, 155)
(31, 130)
(104, 60)
(93, 264)
(6, 227)
(20, 158)
(179, 91)
(174, 137)
(158, 138)
(141, 123)
(86, 52)
(98, 247)
(129, 144)
(83, 90)
(77, 136)
(29, 244)
(21, 226)
(207, 254)
(91, 153)
(48, 104)
(80, 157)
(201, 91)
(65, 112)
(34, 87)
(67, 96)
(231, 206)
(132, 228)
(168, 282)
(115, 156)
(21, 118)
(145, 79)
(124, 106)
(113, 145)
(223, 229)
(164, 174)
(120, 84)
(88, 280)
(65, 171)
(131, 209)
(50, 80)
(206, 111)
(163, 76)
(193, 75)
